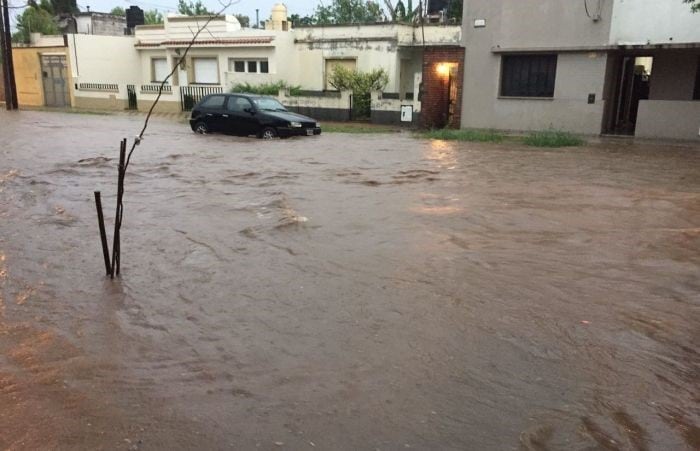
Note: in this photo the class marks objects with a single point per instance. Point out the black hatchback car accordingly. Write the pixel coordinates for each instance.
(246, 114)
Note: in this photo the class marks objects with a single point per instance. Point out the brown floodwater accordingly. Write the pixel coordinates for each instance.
(346, 292)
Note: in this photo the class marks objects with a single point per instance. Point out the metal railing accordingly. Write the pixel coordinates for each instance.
(108, 87)
(190, 95)
(153, 89)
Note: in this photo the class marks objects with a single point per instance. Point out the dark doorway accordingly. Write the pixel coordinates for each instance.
(632, 86)
(131, 94)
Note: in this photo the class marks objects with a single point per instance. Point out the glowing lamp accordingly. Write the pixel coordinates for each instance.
(443, 69)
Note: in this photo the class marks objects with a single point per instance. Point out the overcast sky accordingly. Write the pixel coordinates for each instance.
(247, 7)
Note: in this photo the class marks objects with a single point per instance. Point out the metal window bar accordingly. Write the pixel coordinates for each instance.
(528, 75)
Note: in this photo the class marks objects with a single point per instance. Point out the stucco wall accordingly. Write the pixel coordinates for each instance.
(535, 23)
(654, 22)
(673, 75)
(103, 59)
(578, 75)
(101, 24)
(310, 67)
(669, 119)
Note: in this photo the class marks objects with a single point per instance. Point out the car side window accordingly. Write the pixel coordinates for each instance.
(214, 102)
(238, 104)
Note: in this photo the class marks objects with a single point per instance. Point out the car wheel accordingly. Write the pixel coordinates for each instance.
(268, 133)
(201, 128)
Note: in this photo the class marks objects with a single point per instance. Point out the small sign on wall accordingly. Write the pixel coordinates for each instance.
(406, 113)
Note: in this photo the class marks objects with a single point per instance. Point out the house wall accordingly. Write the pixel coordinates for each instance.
(28, 77)
(532, 26)
(93, 61)
(329, 107)
(372, 46)
(512, 24)
(669, 119)
(673, 75)
(101, 24)
(388, 111)
(369, 55)
(641, 22)
(671, 111)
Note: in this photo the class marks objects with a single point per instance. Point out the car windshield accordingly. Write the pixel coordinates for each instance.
(269, 104)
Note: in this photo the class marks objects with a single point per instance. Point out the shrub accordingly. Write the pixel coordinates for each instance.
(361, 84)
(268, 89)
(553, 138)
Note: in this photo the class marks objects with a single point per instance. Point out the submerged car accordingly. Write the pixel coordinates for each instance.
(245, 115)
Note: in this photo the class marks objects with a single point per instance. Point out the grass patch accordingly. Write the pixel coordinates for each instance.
(349, 127)
(473, 135)
(553, 138)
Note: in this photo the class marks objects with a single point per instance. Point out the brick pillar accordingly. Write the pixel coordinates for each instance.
(435, 86)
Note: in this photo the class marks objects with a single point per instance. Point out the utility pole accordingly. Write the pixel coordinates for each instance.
(8, 64)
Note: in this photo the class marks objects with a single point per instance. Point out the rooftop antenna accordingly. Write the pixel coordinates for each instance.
(257, 18)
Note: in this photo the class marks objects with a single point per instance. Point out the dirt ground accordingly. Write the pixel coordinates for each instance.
(346, 292)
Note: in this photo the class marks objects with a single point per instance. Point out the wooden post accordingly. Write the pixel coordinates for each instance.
(116, 250)
(103, 234)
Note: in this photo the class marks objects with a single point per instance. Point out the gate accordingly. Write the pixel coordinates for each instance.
(131, 94)
(360, 106)
(53, 73)
(190, 95)
(452, 84)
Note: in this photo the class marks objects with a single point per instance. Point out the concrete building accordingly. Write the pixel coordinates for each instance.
(590, 66)
(102, 24)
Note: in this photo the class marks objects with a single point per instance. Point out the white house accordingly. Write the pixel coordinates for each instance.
(225, 54)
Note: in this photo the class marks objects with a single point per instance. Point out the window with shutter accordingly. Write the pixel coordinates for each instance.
(159, 69)
(206, 71)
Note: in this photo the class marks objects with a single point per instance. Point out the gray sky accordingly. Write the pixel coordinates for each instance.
(247, 7)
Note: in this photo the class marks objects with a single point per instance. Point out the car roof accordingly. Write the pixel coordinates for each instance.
(241, 94)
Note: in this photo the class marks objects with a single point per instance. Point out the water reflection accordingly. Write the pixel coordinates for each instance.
(440, 295)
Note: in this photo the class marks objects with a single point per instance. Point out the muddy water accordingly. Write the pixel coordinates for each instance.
(346, 292)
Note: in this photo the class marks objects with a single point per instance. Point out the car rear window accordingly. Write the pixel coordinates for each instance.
(214, 102)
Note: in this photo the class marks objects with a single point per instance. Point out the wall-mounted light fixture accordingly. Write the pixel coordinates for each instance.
(443, 69)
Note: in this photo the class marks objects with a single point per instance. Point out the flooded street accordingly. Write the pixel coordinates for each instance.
(346, 292)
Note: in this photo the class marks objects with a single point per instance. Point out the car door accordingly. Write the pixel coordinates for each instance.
(212, 110)
(240, 116)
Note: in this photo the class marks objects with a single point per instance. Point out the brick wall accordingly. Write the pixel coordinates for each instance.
(435, 86)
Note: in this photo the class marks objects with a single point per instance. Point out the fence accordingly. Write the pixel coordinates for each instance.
(153, 89)
(190, 95)
(105, 87)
